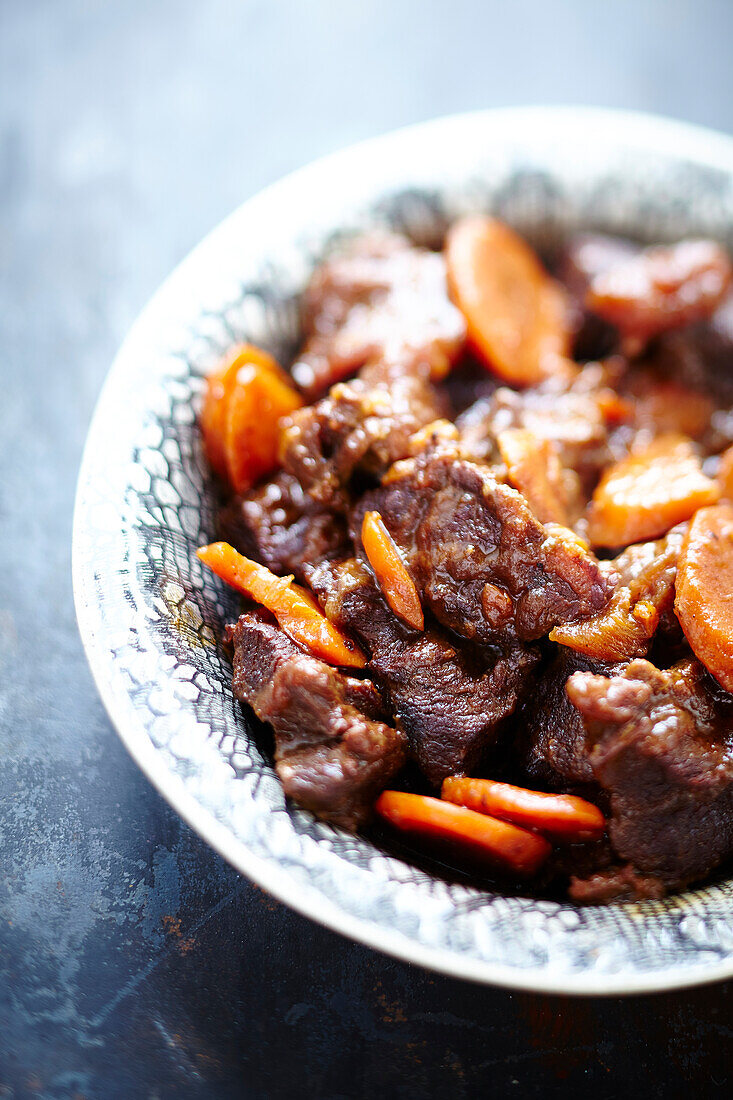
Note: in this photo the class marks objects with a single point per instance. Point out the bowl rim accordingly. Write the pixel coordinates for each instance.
(700, 144)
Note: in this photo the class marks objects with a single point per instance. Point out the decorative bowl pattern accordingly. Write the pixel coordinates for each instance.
(151, 617)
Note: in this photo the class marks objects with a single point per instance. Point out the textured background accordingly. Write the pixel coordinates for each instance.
(133, 962)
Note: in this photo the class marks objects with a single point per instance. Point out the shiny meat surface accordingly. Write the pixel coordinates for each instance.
(662, 749)
(333, 753)
(553, 748)
(662, 288)
(380, 299)
(643, 598)
(574, 415)
(448, 699)
(281, 526)
(488, 569)
(363, 425)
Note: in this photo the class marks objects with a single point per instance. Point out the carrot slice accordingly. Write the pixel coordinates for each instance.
(396, 583)
(534, 468)
(515, 313)
(295, 609)
(213, 411)
(512, 848)
(260, 397)
(645, 494)
(244, 402)
(562, 816)
(704, 585)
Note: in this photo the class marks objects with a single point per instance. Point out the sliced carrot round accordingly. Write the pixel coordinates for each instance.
(644, 495)
(515, 313)
(294, 608)
(498, 842)
(214, 408)
(562, 816)
(704, 590)
(258, 401)
(385, 559)
(245, 399)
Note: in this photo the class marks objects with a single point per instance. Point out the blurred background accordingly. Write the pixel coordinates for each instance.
(133, 962)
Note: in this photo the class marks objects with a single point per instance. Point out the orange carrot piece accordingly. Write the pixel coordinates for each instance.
(512, 848)
(704, 585)
(259, 400)
(295, 609)
(396, 583)
(213, 411)
(244, 402)
(534, 468)
(645, 494)
(515, 313)
(561, 816)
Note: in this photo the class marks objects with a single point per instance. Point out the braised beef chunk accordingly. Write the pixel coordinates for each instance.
(282, 527)
(696, 365)
(642, 600)
(552, 745)
(485, 565)
(448, 700)
(662, 288)
(378, 299)
(585, 257)
(575, 415)
(662, 747)
(334, 754)
(365, 425)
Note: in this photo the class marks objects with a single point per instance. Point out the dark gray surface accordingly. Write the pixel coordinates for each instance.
(133, 961)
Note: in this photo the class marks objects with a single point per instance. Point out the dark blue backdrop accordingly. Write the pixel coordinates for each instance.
(133, 962)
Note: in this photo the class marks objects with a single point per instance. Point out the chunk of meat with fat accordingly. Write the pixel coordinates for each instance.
(334, 753)
(662, 749)
(365, 424)
(487, 568)
(661, 288)
(449, 700)
(575, 417)
(282, 527)
(378, 298)
(584, 257)
(644, 596)
(551, 740)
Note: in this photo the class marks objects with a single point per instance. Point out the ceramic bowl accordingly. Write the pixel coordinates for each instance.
(151, 618)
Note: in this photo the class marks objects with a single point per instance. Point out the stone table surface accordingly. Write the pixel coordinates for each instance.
(133, 961)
